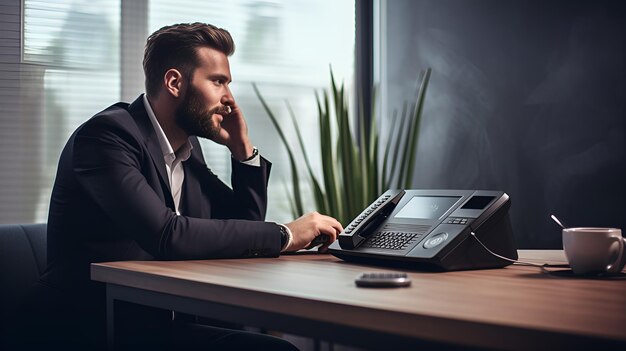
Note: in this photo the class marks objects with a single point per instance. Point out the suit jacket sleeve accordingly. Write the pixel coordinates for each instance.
(114, 168)
(246, 200)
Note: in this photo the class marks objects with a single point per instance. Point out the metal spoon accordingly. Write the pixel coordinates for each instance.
(557, 221)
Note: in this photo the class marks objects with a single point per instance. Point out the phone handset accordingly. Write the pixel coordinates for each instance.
(351, 236)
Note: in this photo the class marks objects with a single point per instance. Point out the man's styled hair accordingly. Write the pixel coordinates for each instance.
(175, 47)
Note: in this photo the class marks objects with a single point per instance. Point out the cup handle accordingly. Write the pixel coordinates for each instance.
(616, 266)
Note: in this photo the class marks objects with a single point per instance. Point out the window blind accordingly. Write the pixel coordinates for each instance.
(64, 67)
(61, 63)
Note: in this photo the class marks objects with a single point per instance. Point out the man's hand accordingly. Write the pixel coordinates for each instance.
(311, 225)
(234, 133)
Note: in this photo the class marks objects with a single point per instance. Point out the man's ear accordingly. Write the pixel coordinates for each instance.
(173, 81)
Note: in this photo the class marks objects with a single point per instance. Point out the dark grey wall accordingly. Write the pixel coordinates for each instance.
(527, 97)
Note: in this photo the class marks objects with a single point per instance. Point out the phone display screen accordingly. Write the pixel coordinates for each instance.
(478, 202)
(427, 207)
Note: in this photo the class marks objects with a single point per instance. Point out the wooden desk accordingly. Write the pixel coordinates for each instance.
(514, 308)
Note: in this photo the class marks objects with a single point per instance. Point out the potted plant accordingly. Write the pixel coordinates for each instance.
(357, 166)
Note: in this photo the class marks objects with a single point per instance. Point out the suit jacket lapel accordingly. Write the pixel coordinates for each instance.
(138, 111)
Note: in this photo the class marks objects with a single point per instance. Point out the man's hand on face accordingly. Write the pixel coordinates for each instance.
(309, 226)
(209, 93)
(234, 133)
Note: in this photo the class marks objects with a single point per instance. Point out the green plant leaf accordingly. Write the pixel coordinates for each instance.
(386, 173)
(353, 175)
(292, 162)
(328, 159)
(417, 118)
(317, 190)
(292, 202)
(400, 151)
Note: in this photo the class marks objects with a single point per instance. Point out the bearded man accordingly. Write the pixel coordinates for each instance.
(132, 184)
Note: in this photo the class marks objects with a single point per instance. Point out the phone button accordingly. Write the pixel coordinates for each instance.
(435, 240)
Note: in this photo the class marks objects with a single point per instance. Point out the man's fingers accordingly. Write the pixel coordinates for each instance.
(333, 223)
(311, 226)
(331, 230)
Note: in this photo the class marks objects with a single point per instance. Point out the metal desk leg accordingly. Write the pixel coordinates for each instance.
(110, 318)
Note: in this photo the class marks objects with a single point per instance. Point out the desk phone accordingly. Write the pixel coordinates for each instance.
(431, 229)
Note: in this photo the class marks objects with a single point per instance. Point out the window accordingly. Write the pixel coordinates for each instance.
(62, 63)
(66, 70)
(285, 47)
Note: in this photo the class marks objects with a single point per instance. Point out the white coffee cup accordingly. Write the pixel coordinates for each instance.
(594, 250)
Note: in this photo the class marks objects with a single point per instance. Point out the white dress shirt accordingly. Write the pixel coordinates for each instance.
(174, 160)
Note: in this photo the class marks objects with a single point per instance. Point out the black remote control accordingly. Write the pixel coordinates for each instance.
(383, 279)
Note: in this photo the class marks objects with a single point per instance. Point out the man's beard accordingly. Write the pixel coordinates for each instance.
(195, 119)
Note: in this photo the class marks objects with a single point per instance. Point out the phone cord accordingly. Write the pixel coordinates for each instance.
(543, 265)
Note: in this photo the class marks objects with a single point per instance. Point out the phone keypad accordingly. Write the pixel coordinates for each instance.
(392, 240)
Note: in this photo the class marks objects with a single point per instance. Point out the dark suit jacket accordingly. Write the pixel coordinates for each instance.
(111, 201)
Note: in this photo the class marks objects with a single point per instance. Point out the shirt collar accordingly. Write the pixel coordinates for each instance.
(166, 147)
